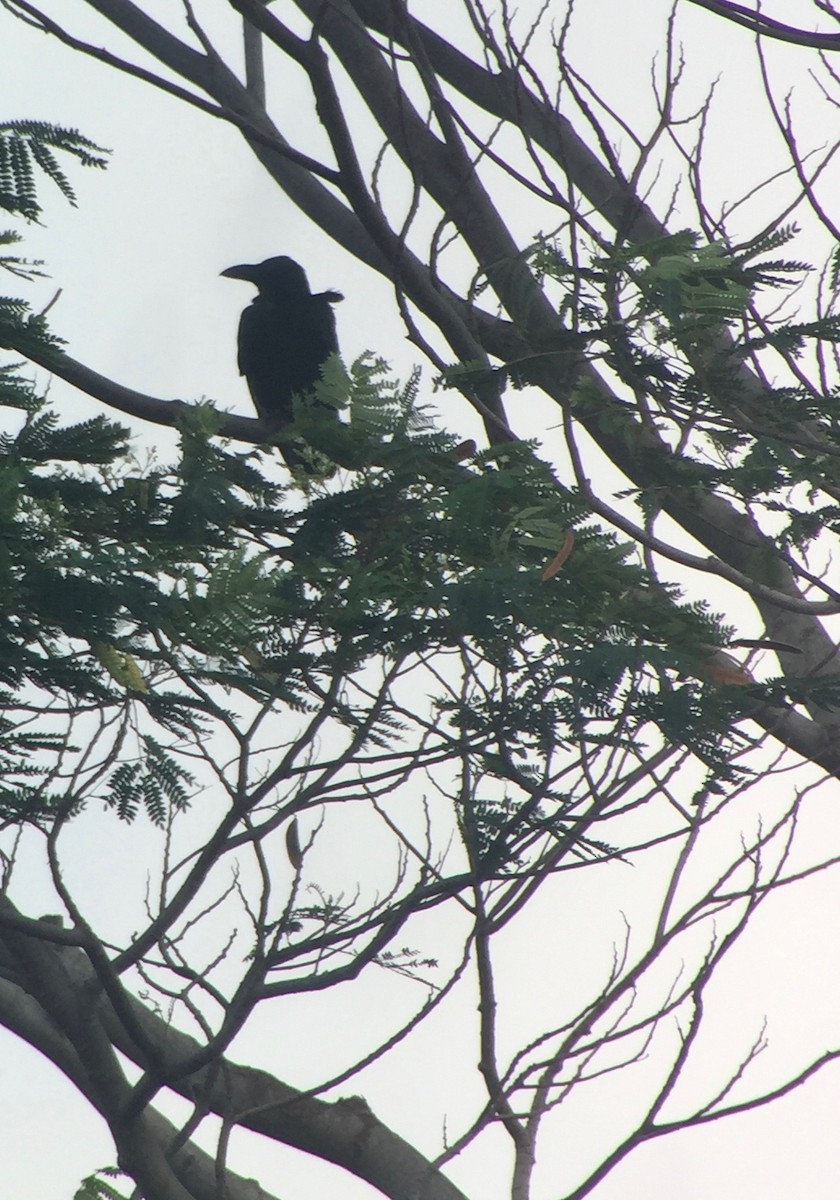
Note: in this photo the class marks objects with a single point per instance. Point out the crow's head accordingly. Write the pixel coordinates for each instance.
(280, 276)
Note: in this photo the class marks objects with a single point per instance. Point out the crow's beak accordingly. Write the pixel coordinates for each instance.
(242, 271)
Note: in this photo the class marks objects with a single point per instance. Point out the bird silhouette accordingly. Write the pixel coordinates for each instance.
(286, 334)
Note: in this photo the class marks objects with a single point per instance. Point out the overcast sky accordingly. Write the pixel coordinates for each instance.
(141, 301)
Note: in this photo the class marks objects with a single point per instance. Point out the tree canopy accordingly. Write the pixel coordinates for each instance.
(371, 721)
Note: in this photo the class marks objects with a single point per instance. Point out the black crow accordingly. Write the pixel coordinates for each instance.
(285, 336)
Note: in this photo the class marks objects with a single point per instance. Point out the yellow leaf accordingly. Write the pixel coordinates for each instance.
(121, 667)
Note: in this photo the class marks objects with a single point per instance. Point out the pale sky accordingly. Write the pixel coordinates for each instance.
(141, 301)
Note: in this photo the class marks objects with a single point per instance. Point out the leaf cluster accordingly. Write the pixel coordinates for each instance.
(673, 321)
(26, 147)
(155, 782)
(158, 589)
(128, 585)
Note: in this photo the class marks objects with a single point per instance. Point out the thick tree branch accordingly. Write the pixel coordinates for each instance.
(344, 1132)
(765, 26)
(137, 404)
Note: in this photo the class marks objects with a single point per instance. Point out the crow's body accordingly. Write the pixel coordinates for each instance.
(285, 336)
